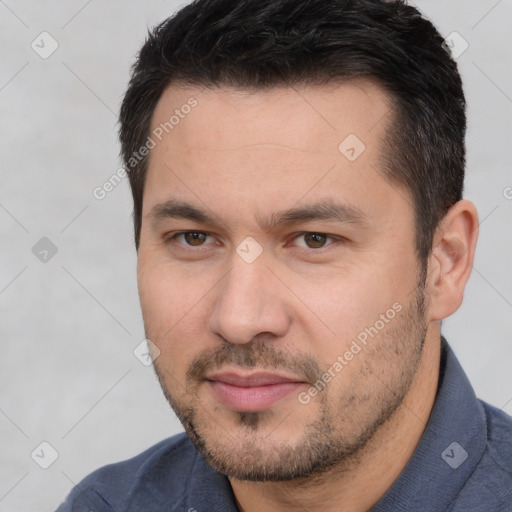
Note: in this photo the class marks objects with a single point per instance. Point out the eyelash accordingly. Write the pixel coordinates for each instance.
(172, 238)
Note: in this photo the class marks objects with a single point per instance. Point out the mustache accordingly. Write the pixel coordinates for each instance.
(254, 354)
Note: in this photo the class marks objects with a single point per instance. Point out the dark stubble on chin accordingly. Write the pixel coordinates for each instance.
(323, 448)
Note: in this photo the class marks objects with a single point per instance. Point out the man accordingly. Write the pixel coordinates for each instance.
(297, 170)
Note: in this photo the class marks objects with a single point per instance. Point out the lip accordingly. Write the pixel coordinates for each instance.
(251, 392)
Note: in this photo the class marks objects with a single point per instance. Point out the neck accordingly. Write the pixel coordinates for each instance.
(360, 484)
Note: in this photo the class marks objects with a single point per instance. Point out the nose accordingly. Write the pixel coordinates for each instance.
(250, 301)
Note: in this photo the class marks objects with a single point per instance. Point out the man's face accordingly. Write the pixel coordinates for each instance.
(288, 317)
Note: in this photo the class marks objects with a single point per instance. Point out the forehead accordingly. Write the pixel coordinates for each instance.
(317, 118)
(268, 149)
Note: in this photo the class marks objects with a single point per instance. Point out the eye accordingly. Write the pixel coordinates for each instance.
(191, 238)
(314, 240)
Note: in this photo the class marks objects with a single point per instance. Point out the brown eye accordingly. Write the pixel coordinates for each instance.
(315, 240)
(194, 238)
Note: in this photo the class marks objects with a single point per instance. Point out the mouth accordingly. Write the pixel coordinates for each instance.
(252, 392)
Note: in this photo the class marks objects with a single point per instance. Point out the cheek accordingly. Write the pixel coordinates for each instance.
(167, 291)
(341, 309)
(344, 303)
(172, 307)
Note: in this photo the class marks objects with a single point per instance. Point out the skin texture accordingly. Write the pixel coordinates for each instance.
(243, 158)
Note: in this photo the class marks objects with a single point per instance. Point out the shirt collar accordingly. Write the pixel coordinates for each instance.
(452, 444)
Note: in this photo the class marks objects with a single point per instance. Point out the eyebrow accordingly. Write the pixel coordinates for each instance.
(326, 210)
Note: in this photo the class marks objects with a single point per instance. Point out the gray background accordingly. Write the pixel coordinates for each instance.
(69, 325)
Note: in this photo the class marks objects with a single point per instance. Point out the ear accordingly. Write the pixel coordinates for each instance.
(451, 260)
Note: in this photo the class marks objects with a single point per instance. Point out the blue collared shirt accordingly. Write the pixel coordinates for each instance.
(463, 463)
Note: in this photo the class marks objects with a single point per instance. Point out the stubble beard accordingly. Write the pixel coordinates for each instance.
(333, 437)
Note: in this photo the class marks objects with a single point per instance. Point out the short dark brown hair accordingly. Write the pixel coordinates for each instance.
(256, 44)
